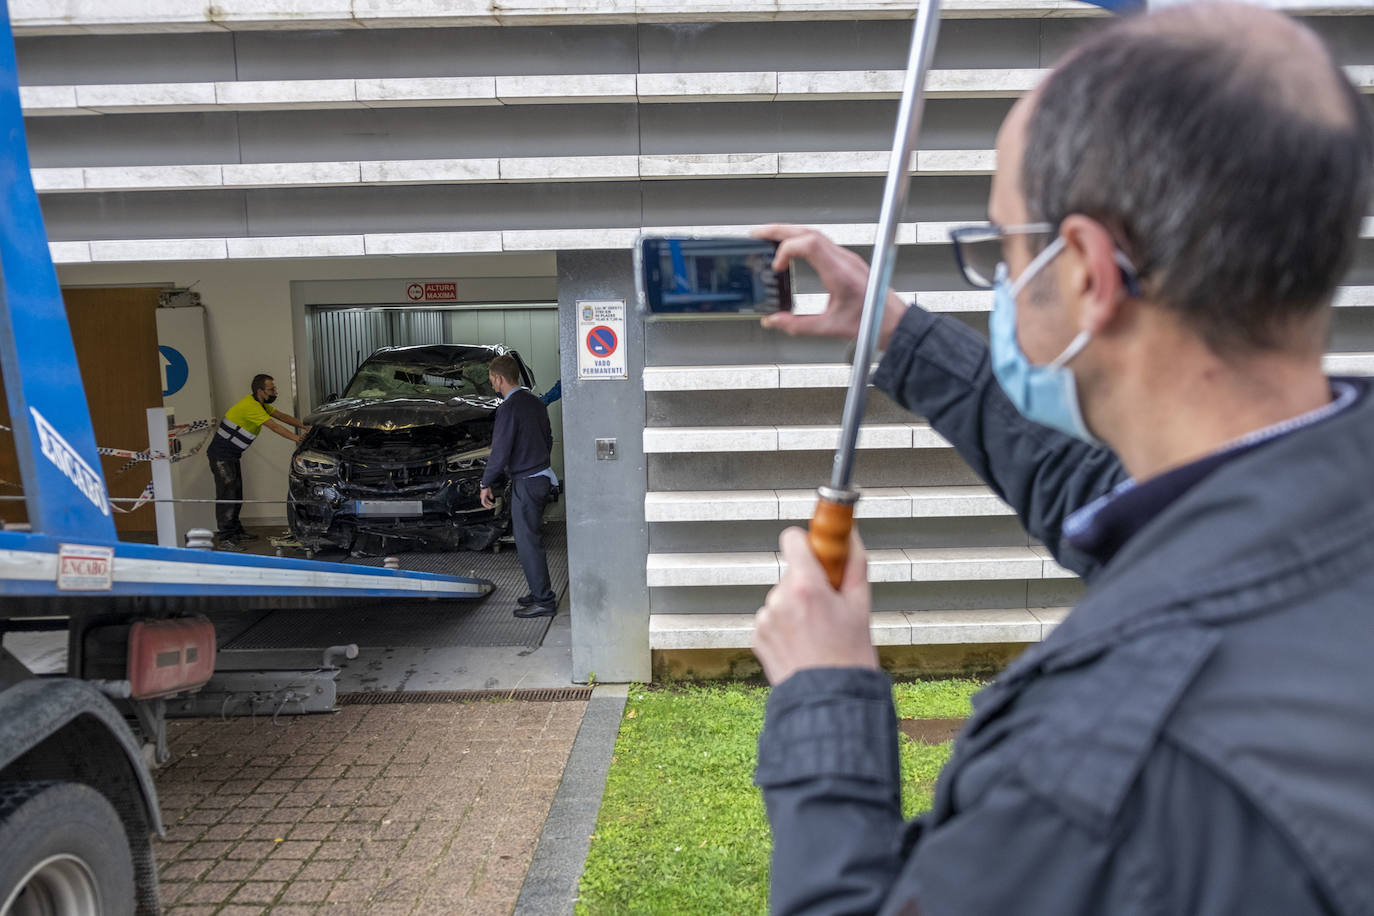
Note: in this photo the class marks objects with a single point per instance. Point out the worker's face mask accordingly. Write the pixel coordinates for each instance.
(268, 398)
(1045, 394)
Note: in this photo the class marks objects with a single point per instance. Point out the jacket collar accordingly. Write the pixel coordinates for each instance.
(1258, 533)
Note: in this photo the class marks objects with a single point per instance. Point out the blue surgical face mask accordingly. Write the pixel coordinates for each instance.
(1045, 394)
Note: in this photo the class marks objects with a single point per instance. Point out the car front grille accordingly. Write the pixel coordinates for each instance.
(378, 476)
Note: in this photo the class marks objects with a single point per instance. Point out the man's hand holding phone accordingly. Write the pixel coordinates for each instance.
(843, 274)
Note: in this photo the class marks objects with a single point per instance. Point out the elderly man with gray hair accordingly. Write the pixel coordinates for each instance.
(1172, 212)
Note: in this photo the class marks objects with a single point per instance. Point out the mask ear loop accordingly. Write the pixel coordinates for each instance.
(1073, 349)
(1128, 275)
(1036, 265)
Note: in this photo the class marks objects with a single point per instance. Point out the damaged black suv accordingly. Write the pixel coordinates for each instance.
(396, 464)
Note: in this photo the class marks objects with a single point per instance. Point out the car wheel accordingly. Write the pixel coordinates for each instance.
(66, 852)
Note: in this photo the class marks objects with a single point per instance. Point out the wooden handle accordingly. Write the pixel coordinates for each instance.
(829, 536)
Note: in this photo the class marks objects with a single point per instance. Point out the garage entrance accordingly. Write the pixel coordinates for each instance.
(342, 336)
(338, 325)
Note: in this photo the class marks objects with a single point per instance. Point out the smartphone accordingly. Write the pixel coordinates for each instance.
(681, 277)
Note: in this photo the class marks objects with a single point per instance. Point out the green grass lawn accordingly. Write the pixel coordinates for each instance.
(682, 828)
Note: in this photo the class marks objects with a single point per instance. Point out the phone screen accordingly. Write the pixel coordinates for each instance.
(690, 277)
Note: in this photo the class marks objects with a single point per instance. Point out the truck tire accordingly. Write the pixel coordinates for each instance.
(66, 852)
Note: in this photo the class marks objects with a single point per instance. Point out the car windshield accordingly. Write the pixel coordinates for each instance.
(390, 378)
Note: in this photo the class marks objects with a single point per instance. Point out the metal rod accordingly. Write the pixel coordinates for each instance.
(924, 34)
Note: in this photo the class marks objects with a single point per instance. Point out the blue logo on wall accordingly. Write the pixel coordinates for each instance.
(175, 370)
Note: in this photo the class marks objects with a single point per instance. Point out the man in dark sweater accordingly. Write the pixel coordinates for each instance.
(520, 450)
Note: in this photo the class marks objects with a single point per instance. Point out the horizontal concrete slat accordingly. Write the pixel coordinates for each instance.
(932, 564)
(66, 17)
(710, 378)
(1050, 568)
(888, 628)
(451, 171)
(827, 438)
(975, 300)
(570, 239)
(699, 439)
(566, 89)
(931, 628)
(875, 502)
(711, 439)
(836, 375)
(711, 506)
(795, 505)
(667, 570)
(1349, 363)
(951, 564)
(426, 91)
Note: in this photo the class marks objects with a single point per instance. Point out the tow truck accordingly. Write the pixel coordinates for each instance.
(78, 808)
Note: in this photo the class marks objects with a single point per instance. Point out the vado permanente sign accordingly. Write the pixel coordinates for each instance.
(442, 291)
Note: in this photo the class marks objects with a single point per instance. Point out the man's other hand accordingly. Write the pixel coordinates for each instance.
(488, 500)
(807, 624)
(843, 274)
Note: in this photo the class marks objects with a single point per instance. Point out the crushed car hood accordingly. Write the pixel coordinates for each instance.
(388, 414)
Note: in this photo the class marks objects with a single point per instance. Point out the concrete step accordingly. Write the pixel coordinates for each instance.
(889, 628)
(937, 564)
(766, 505)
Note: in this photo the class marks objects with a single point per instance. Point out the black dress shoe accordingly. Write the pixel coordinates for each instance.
(527, 600)
(537, 610)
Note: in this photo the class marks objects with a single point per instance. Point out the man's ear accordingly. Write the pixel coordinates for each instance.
(1088, 273)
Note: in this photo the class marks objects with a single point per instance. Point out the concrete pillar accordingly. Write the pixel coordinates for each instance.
(608, 539)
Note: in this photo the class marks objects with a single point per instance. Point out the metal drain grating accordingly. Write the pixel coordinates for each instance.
(546, 694)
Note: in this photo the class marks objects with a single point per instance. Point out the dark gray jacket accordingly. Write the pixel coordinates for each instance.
(1197, 736)
(521, 438)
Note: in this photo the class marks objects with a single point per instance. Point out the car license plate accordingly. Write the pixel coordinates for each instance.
(393, 508)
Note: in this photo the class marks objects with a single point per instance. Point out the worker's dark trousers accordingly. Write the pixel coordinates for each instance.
(529, 496)
(228, 485)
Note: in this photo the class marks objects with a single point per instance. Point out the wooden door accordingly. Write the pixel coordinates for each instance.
(115, 334)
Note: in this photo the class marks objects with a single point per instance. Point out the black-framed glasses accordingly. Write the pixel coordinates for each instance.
(979, 249)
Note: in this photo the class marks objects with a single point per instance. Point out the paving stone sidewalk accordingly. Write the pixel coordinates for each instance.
(396, 809)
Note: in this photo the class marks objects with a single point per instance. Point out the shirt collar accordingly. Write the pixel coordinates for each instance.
(1103, 526)
(512, 391)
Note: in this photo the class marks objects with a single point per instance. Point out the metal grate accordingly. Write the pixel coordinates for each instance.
(546, 694)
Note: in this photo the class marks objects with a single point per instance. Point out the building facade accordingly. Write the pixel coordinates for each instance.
(297, 162)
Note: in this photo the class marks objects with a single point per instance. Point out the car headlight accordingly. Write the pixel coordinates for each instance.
(466, 461)
(315, 464)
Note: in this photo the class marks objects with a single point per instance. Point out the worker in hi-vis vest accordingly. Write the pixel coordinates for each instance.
(237, 430)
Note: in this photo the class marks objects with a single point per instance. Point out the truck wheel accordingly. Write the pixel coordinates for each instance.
(66, 852)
